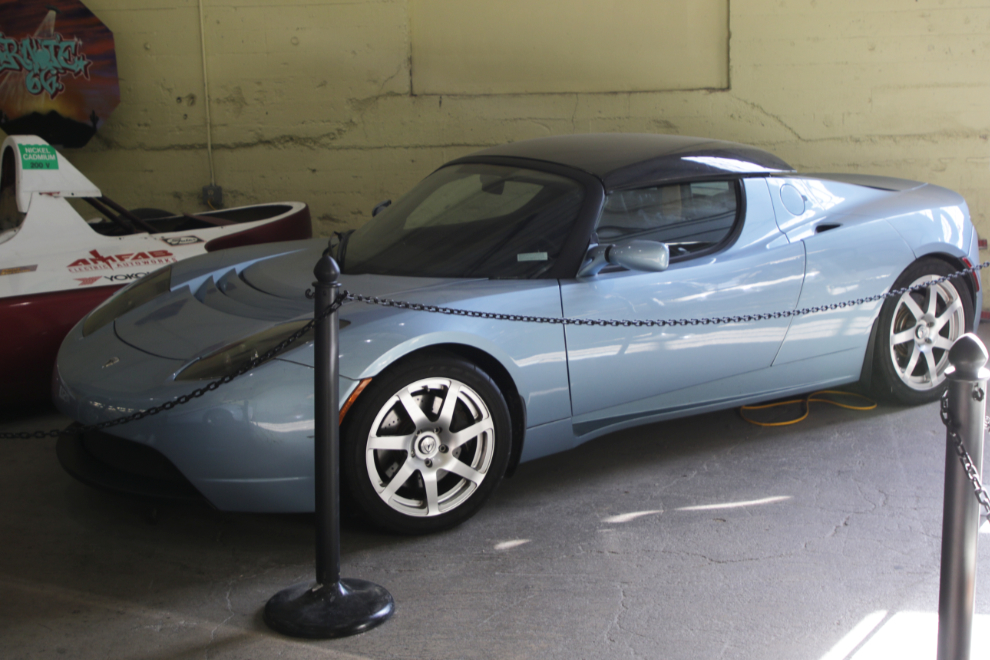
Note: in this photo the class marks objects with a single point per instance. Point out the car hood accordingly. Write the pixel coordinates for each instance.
(217, 300)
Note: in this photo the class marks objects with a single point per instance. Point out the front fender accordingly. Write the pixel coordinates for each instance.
(533, 354)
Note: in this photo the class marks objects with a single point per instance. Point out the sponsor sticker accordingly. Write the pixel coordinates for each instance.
(124, 277)
(96, 261)
(38, 157)
(182, 240)
(103, 279)
(18, 269)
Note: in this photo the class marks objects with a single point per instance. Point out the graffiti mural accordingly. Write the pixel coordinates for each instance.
(44, 61)
(58, 71)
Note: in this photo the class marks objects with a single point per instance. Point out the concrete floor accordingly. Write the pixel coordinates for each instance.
(700, 538)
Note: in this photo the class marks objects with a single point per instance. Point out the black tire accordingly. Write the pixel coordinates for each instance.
(421, 451)
(916, 330)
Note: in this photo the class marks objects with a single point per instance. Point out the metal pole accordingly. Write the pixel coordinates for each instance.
(327, 449)
(961, 510)
(332, 607)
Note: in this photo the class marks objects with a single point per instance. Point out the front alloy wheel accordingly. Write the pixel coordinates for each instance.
(428, 444)
(918, 329)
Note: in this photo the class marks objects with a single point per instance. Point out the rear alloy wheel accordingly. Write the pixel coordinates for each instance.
(916, 331)
(427, 445)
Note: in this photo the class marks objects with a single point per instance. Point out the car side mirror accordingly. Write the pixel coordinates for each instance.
(380, 206)
(647, 256)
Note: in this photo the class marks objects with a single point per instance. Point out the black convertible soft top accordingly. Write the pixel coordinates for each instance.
(631, 160)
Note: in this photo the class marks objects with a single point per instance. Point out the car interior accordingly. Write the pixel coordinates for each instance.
(688, 217)
(10, 217)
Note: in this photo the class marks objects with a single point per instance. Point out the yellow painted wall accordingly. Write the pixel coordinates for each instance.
(311, 100)
(526, 47)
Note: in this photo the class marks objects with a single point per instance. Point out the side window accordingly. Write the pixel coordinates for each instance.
(688, 217)
(10, 217)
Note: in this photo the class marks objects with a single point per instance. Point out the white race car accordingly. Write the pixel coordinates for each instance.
(56, 265)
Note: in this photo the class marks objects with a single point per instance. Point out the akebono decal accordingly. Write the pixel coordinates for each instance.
(182, 240)
(97, 261)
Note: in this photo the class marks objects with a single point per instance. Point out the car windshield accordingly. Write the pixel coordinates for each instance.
(472, 220)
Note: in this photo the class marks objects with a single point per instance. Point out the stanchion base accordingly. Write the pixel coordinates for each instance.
(315, 611)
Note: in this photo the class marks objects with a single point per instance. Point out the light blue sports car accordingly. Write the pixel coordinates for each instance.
(438, 408)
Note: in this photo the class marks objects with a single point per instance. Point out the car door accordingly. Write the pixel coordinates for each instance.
(728, 258)
(851, 254)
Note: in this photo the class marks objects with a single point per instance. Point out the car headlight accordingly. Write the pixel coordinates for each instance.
(130, 297)
(229, 359)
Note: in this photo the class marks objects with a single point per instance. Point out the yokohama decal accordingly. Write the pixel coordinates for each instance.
(97, 261)
(116, 278)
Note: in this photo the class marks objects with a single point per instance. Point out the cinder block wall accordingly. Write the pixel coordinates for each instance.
(313, 100)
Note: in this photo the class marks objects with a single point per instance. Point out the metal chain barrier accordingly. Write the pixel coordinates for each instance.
(195, 394)
(659, 323)
(967, 462)
(450, 311)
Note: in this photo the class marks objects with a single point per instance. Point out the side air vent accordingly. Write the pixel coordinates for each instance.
(230, 294)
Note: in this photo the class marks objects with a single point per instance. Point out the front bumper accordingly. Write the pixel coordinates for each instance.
(247, 446)
(109, 463)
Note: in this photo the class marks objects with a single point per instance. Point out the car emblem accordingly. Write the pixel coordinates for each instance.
(112, 361)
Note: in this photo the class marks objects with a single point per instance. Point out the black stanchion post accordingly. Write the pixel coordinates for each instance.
(330, 607)
(960, 509)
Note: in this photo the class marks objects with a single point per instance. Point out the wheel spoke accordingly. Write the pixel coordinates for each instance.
(415, 413)
(464, 470)
(932, 369)
(947, 315)
(400, 478)
(902, 337)
(931, 297)
(455, 440)
(912, 361)
(432, 496)
(942, 342)
(912, 306)
(449, 402)
(391, 442)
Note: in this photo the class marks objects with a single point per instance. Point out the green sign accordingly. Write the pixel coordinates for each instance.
(38, 157)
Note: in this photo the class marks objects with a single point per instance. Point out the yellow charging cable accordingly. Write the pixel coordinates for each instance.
(814, 397)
